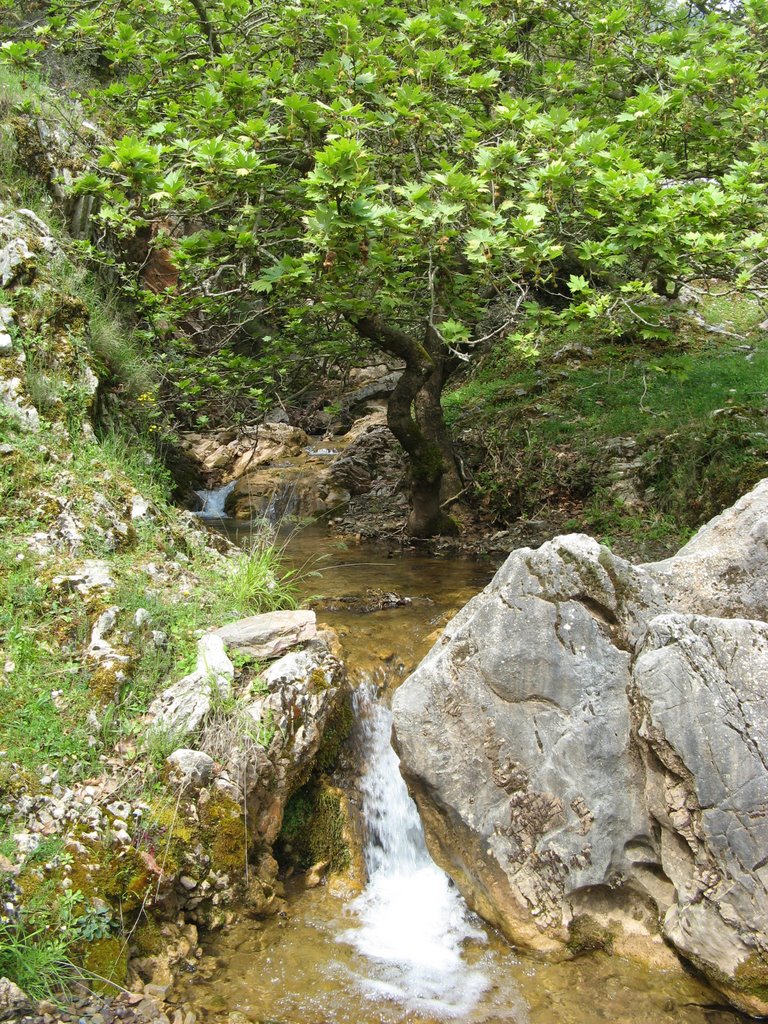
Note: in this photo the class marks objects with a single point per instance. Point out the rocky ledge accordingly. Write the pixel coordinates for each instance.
(588, 747)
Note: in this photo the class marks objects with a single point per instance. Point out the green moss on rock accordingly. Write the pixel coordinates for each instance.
(585, 935)
(336, 732)
(224, 834)
(106, 960)
(314, 829)
(752, 976)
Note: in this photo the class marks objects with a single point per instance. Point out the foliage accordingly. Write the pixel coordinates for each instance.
(535, 432)
(36, 963)
(424, 180)
(418, 163)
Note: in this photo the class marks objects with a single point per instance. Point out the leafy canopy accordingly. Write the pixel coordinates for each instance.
(462, 164)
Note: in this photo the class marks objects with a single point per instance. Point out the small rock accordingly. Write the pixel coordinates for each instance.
(316, 874)
(191, 768)
(574, 350)
(13, 1002)
(139, 507)
(141, 617)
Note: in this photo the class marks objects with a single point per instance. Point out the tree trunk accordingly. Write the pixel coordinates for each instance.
(416, 434)
(429, 413)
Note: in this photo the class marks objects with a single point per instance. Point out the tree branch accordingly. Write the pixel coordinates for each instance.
(208, 30)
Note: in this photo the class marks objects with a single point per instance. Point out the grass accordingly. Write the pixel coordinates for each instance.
(37, 963)
(261, 582)
(694, 407)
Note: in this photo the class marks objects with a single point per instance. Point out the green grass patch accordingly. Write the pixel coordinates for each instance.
(695, 409)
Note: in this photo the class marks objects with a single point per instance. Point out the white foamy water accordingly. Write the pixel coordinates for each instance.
(410, 921)
(214, 502)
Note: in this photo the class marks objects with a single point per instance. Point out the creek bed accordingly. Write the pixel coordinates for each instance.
(407, 948)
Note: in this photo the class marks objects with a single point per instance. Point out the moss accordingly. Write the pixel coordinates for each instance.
(585, 935)
(314, 829)
(752, 976)
(168, 834)
(148, 939)
(318, 681)
(119, 878)
(107, 960)
(336, 732)
(106, 680)
(224, 834)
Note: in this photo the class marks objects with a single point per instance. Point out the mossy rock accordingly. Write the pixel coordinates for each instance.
(106, 681)
(752, 976)
(225, 835)
(586, 935)
(337, 730)
(148, 939)
(107, 961)
(314, 829)
(119, 877)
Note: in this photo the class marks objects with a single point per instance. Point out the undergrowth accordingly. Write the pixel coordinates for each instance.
(539, 433)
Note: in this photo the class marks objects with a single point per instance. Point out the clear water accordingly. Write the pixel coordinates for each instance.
(407, 948)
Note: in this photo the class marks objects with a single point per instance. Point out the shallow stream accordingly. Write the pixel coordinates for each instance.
(407, 948)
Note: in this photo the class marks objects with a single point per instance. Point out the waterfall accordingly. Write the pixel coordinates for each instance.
(410, 921)
(214, 502)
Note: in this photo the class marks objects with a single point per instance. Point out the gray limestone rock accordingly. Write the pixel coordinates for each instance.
(699, 700)
(581, 742)
(17, 404)
(723, 569)
(514, 734)
(13, 1002)
(191, 769)
(182, 707)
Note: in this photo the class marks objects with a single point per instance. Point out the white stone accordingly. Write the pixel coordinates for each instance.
(270, 634)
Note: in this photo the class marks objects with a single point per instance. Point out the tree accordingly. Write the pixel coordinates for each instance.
(424, 178)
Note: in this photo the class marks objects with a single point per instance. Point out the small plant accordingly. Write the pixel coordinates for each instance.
(260, 581)
(161, 741)
(96, 923)
(37, 963)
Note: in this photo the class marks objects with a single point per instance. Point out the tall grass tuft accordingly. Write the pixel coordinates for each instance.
(39, 965)
(261, 580)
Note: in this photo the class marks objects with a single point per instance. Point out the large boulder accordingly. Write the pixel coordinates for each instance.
(698, 692)
(590, 757)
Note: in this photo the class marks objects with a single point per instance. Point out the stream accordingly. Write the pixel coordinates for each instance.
(406, 948)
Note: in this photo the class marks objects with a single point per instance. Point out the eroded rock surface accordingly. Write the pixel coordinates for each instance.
(722, 570)
(583, 746)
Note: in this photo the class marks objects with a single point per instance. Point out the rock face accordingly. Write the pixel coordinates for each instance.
(722, 570)
(264, 740)
(589, 740)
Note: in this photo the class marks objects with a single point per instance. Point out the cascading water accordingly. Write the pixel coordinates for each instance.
(411, 923)
(406, 949)
(215, 501)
